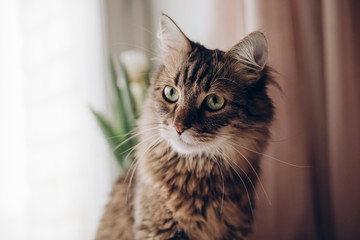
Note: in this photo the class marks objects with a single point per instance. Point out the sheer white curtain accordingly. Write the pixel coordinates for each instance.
(54, 161)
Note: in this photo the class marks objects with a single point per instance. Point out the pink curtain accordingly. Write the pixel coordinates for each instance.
(315, 47)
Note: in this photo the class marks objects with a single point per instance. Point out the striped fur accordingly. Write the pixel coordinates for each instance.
(199, 184)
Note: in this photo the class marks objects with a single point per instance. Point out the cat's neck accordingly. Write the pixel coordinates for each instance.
(161, 164)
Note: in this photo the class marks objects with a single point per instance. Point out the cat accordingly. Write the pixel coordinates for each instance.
(204, 125)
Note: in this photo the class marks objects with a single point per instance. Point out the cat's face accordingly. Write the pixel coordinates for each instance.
(205, 99)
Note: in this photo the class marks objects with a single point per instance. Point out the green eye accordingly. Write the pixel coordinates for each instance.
(214, 102)
(170, 94)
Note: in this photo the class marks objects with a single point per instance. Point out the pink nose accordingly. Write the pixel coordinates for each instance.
(180, 128)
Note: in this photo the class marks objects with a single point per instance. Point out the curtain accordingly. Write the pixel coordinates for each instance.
(310, 170)
(314, 49)
(313, 45)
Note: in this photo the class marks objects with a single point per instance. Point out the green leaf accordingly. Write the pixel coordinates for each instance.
(125, 112)
(119, 108)
(128, 92)
(115, 141)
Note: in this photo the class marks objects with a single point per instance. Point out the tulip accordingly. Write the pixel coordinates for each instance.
(130, 78)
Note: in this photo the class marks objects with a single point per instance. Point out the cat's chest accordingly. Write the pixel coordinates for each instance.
(195, 176)
(205, 207)
(202, 196)
(195, 203)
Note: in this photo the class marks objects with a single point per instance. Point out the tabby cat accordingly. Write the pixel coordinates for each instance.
(204, 124)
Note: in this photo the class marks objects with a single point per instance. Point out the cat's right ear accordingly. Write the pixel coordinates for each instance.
(251, 51)
(173, 40)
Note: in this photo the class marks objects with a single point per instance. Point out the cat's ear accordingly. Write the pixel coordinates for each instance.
(173, 40)
(251, 51)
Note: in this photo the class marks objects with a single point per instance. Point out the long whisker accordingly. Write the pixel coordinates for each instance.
(247, 192)
(157, 141)
(257, 175)
(142, 140)
(276, 159)
(137, 145)
(251, 182)
(134, 136)
(131, 150)
(266, 155)
(133, 131)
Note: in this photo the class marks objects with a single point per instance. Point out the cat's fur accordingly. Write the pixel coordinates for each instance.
(200, 184)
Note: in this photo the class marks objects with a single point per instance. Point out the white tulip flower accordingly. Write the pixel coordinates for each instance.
(136, 64)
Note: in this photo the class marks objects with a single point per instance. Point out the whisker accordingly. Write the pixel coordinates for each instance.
(257, 175)
(274, 158)
(125, 134)
(132, 149)
(247, 192)
(137, 164)
(251, 182)
(134, 136)
(137, 145)
(266, 155)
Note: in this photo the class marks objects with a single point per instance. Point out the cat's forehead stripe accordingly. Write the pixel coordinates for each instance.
(177, 78)
(197, 68)
(185, 75)
(205, 72)
(207, 85)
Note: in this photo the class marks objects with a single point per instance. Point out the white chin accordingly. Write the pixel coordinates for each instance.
(185, 148)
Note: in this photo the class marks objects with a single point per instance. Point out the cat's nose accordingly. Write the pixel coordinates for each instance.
(180, 128)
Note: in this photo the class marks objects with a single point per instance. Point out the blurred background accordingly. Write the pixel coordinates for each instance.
(56, 168)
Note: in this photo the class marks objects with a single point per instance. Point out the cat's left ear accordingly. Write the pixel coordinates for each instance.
(173, 40)
(251, 51)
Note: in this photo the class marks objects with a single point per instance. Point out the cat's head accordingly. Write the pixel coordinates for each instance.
(206, 99)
